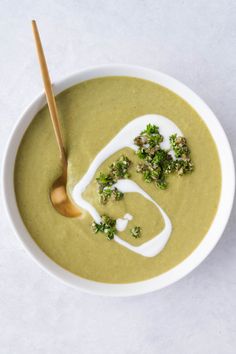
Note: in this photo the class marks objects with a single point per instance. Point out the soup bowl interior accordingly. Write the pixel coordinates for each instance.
(212, 236)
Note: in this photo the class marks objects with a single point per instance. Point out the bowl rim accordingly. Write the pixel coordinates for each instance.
(200, 252)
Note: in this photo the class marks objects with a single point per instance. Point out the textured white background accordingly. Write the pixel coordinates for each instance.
(195, 41)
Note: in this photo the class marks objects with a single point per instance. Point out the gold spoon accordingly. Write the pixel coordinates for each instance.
(58, 193)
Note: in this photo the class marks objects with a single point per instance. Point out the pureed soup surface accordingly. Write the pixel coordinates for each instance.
(92, 113)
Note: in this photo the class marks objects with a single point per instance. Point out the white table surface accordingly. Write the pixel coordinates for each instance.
(195, 41)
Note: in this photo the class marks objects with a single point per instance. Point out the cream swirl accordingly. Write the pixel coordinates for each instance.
(124, 139)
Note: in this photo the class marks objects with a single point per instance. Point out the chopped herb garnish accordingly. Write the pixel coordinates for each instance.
(136, 231)
(104, 180)
(117, 170)
(183, 163)
(116, 194)
(105, 194)
(157, 162)
(151, 129)
(179, 146)
(183, 166)
(106, 226)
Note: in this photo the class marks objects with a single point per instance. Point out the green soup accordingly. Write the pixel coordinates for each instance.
(92, 113)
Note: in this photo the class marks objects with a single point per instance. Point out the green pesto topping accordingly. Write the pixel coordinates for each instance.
(117, 170)
(181, 150)
(179, 146)
(106, 226)
(157, 162)
(136, 231)
(109, 193)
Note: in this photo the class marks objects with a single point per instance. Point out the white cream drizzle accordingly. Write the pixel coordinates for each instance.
(128, 217)
(121, 224)
(125, 139)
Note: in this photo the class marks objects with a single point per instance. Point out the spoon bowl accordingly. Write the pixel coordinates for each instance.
(60, 200)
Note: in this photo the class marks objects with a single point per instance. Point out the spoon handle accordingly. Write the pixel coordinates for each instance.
(49, 95)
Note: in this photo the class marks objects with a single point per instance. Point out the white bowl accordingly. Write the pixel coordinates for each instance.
(211, 238)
